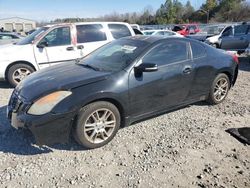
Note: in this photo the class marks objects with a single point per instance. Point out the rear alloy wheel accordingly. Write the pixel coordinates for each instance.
(18, 72)
(219, 89)
(97, 124)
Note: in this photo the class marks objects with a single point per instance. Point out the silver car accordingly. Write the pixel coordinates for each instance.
(9, 38)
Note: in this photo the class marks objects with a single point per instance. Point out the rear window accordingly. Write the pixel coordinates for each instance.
(90, 33)
(119, 30)
(198, 50)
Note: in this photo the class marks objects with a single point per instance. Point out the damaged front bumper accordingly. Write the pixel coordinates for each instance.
(47, 129)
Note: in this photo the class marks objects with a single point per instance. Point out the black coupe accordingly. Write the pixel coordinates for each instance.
(127, 80)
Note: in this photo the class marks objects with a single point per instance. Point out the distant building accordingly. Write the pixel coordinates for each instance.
(17, 24)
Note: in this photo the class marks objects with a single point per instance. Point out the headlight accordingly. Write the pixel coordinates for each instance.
(47, 103)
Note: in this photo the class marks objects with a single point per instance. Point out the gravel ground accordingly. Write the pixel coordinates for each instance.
(185, 148)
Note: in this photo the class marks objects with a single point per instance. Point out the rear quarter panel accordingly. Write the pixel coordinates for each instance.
(223, 62)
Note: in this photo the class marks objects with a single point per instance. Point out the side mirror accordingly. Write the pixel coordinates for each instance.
(146, 67)
(42, 44)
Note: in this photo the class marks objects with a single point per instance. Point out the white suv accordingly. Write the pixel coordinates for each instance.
(55, 44)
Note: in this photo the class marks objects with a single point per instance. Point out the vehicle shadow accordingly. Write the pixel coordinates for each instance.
(5, 85)
(244, 63)
(22, 142)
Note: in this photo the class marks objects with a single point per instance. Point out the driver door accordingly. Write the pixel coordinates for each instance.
(168, 86)
(59, 47)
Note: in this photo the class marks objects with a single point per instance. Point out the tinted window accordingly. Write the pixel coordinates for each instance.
(228, 31)
(137, 32)
(90, 33)
(240, 29)
(166, 53)
(119, 30)
(58, 37)
(198, 50)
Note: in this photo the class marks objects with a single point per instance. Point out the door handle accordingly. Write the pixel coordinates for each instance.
(187, 70)
(79, 47)
(71, 48)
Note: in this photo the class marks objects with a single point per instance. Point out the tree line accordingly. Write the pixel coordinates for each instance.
(174, 12)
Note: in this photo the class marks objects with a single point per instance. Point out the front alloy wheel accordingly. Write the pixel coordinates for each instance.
(97, 124)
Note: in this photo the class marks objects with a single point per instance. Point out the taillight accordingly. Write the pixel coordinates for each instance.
(234, 56)
(236, 59)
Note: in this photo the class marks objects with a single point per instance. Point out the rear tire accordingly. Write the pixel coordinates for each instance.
(219, 89)
(97, 124)
(18, 72)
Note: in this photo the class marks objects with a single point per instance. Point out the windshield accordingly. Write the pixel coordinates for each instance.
(30, 38)
(115, 56)
(178, 28)
(212, 30)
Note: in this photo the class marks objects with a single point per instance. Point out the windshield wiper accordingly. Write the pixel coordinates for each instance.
(89, 66)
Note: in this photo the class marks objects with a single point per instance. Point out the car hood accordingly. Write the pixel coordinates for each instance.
(65, 76)
(7, 50)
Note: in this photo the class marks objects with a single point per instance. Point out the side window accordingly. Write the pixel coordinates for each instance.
(198, 50)
(119, 30)
(90, 33)
(167, 53)
(58, 37)
(240, 29)
(5, 37)
(228, 31)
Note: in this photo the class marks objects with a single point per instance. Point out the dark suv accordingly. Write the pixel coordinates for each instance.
(235, 38)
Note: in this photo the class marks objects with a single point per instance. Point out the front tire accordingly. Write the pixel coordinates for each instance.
(219, 89)
(18, 72)
(97, 124)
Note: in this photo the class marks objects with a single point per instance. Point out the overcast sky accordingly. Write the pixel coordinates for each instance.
(46, 10)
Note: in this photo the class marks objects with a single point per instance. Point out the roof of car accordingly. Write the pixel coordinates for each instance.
(154, 30)
(83, 23)
(150, 39)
